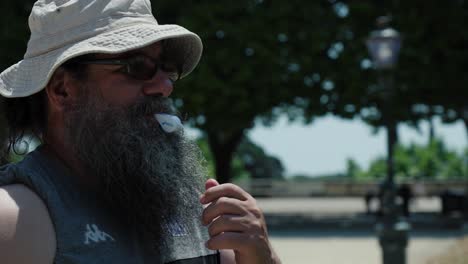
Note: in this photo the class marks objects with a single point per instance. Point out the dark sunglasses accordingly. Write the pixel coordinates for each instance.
(139, 67)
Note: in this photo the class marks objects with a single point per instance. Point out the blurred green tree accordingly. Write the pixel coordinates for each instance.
(420, 87)
(259, 57)
(353, 170)
(431, 161)
(429, 79)
(249, 162)
(14, 31)
(259, 164)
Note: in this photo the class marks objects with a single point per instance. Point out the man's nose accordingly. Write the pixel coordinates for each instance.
(159, 85)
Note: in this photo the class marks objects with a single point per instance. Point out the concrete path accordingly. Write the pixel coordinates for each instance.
(347, 245)
(358, 248)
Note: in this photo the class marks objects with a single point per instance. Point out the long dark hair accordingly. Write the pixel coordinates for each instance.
(24, 116)
(27, 116)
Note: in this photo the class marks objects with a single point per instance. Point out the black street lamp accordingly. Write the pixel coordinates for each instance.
(384, 46)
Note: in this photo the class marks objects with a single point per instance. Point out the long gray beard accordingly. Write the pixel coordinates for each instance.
(147, 176)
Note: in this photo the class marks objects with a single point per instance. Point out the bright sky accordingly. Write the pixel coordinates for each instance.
(323, 146)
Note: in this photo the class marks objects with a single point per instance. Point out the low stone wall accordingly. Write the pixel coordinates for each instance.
(283, 188)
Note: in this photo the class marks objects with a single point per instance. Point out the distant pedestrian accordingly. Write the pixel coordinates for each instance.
(406, 194)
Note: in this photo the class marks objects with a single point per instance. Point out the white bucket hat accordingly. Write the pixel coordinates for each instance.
(63, 29)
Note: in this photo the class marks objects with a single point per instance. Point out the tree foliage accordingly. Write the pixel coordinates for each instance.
(431, 161)
(259, 164)
(308, 58)
(250, 161)
(259, 58)
(430, 77)
(14, 31)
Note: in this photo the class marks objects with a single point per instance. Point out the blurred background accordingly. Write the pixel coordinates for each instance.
(347, 120)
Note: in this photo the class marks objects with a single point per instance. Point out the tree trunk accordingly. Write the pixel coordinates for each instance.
(223, 148)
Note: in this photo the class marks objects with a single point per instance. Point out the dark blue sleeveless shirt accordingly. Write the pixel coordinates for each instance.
(87, 233)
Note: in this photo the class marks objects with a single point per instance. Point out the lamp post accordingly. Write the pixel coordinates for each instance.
(384, 46)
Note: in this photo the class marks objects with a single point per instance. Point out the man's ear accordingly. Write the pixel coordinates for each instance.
(61, 89)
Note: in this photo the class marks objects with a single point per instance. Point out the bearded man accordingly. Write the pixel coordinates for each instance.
(115, 180)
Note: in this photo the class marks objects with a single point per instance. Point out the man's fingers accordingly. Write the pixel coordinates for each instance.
(224, 190)
(210, 183)
(223, 205)
(227, 223)
(227, 240)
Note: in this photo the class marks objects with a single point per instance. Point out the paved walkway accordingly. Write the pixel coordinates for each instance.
(358, 248)
(343, 245)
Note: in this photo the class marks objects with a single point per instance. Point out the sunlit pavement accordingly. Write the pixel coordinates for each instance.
(347, 213)
(306, 247)
(312, 230)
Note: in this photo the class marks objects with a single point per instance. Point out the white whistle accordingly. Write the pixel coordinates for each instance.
(169, 123)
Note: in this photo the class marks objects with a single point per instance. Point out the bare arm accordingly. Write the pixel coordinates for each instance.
(27, 234)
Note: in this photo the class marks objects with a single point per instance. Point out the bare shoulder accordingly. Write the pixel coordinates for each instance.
(27, 234)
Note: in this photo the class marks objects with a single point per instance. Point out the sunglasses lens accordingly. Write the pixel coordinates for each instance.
(171, 70)
(141, 68)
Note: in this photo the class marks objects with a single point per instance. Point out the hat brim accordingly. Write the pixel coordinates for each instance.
(31, 75)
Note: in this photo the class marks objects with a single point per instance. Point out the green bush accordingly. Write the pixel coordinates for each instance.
(431, 161)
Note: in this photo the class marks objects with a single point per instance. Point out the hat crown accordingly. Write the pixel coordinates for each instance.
(55, 23)
(64, 29)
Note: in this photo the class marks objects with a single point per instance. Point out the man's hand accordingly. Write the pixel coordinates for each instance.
(236, 222)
